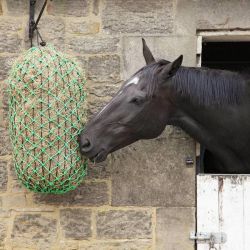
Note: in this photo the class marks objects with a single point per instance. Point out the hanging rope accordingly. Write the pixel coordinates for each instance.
(33, 25)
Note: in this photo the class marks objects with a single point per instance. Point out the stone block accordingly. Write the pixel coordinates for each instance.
(4, 104)
(96, 7)
(15, 185)
(143, 17)
(92, 45)
(185, 17)
(3, 175)
(4, 213)
(168, 48)
(102, 90)
(18, 7)
(130, 224)
(82, 62)
(124, 245)
(21, 7)
(154, 173)
(173, 228)
(76, 223)
(79, 27)
(6, 63)
(3, 231)
(9, 39)
(88, 194)
(36, 230)
(95, 104)
(76, 8)
(3, 234)
(69, 245)
(223, 14)
(98, 170)
(104, 68)
(5, 144)
(14, 201)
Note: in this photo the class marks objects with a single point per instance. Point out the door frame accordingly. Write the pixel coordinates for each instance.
(214, 36)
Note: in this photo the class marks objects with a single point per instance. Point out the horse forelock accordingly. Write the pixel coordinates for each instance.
(150, 73)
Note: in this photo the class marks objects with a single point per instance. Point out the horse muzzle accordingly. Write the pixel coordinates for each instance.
(87, 149)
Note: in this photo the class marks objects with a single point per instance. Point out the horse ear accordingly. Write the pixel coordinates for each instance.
(147, 53)
(171, 68)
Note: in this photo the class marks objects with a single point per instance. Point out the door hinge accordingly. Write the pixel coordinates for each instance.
(218, 238)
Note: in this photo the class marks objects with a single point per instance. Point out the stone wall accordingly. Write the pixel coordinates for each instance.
(143, 196)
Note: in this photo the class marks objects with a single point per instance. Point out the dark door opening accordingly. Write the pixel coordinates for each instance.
(234, 56)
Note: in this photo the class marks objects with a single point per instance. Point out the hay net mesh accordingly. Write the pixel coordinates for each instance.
(46, 114)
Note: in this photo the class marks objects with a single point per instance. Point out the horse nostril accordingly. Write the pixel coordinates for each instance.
(85, 145)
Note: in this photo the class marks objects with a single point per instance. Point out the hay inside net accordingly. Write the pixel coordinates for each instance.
(46, 115)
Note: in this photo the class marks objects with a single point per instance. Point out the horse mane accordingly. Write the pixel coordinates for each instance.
(202, 86)
(209, 86)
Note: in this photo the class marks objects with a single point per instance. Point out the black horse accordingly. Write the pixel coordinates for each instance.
(213, 106)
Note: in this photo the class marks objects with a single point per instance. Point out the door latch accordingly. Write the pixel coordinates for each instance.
(205, 237)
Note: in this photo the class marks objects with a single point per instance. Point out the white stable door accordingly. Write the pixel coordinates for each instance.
(223, 206)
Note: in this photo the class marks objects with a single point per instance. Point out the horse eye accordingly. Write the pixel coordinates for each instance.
(137, 100)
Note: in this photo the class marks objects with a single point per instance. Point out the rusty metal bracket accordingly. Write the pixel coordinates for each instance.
(33, 25)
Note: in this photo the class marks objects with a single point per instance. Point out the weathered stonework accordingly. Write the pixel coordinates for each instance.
(3, 175)
(5, 145)
(1, 9)
(15, 201)
(132, 245)
(53, 31)
(101, 90)
(92, 45)
(98, 170)
(21, 7)
(99, 96)
(88, 194)
(222, 14)
(83, 63)
(157, 173)
(162, 47)
(69, 245)
(15, 184)
(80, 27)
(4, 104)
(76, 8)
(36, 230)
(6, 62)
(138, 16)
(76, 223)
(10, 40)
(4, 213)
(96, 4)
(104, 69)
(124, 225)
(173, 228)
(3, 232)
(185, 21)
(96, 103)
(18, 7)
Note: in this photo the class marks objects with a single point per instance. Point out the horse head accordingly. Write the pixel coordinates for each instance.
(140, 110)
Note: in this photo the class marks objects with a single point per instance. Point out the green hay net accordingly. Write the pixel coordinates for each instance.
(46, 114)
